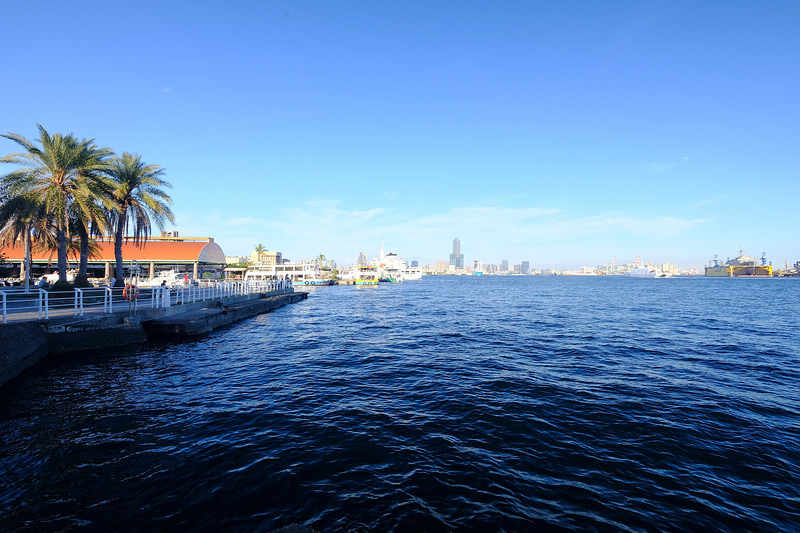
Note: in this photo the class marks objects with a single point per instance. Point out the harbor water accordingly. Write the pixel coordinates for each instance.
(447, 404)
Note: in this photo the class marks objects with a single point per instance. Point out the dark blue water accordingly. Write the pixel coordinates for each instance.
(449, 404)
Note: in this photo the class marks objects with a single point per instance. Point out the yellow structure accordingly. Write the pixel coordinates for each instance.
(740, 266)
(729, 271)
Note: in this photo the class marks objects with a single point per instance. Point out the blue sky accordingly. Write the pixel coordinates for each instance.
(561, 133)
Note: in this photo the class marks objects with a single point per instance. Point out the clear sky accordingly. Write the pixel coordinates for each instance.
(561, 133)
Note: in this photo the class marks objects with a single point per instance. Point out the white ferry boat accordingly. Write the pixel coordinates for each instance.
(305, 273)
(411, 273)
(648, 272)
(392, 267)
(367, 276)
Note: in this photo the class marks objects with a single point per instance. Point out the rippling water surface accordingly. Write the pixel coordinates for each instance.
(448, 404)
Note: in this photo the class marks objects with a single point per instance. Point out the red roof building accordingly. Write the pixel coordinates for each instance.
(186, 254)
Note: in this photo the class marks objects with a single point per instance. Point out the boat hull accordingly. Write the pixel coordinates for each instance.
(311, 283)
(735, 271)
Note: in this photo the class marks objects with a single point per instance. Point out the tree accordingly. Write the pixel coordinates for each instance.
(20, 218)
(321, 260)
(137, 200)
(90, 223)
(260, 249)
(62, 175)
(79, 250)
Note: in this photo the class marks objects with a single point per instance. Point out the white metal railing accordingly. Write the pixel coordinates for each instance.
(34, 303)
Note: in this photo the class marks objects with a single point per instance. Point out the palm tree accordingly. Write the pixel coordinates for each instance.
(20, 217)
(81, 249)
(90, 223)
(137, 199)
(260, 249)
(62, 175)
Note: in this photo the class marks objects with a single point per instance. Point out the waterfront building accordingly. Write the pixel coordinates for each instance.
(196, 257)
(267, 258)
(525, 267)
(457, 258)
(504, 265)
(442, 267)
(362, 259)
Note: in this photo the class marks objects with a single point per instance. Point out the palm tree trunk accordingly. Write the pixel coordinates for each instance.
(27, 257)
(119, 275)
(81, 280)
(61, 244)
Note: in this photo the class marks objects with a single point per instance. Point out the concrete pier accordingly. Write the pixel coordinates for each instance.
(24, 344)
(212, 317)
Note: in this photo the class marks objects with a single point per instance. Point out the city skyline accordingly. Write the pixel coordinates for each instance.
(561, 135)
(457, 258)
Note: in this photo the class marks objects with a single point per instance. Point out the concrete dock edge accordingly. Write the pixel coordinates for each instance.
(24, 344)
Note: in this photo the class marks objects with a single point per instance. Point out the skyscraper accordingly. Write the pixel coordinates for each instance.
(504, 265)
(457, 258)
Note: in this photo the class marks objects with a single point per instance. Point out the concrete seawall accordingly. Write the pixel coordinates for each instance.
(21, 345)
(210, 318)
(26, 343)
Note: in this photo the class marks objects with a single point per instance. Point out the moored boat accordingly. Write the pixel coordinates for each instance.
(740, 266)
(172, 278)
(304, 273)
(367, 276)
(648, 272)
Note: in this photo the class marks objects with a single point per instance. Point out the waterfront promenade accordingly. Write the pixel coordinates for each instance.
(39, 323)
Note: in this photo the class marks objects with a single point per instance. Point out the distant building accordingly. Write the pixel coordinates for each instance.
(441, 267)
(666, 267)
(362, 259)
(415, 264)
(504, 265)
(236, 259)
(526, 267)
(267, 258)
(457, 258)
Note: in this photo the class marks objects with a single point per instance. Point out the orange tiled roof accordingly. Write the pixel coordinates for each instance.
(162, 251)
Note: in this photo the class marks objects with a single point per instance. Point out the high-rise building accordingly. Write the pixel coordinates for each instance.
(414, 264)
(526, 267)
(457, 258)
(504, 265)
(362, 259)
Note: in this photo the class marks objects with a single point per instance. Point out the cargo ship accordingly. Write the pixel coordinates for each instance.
(740, 266)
